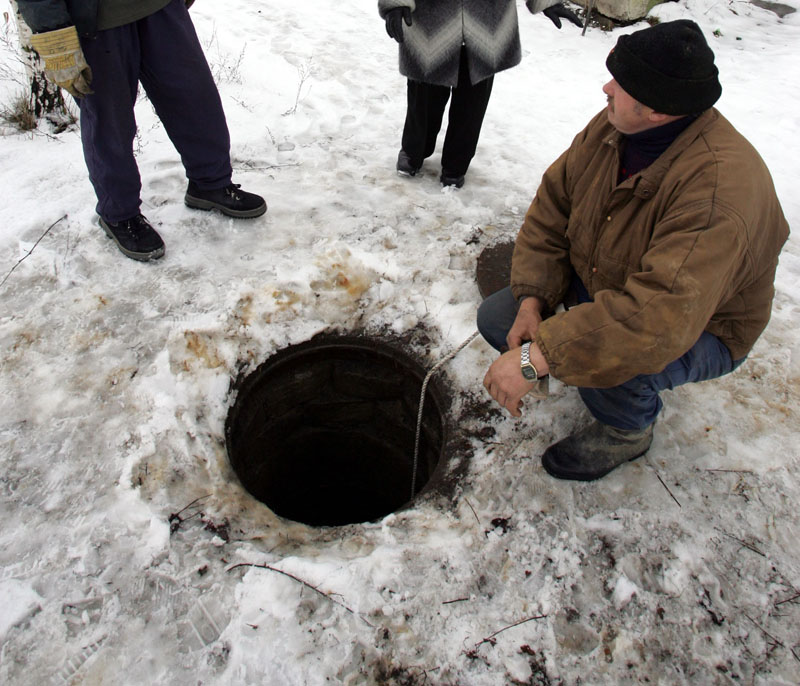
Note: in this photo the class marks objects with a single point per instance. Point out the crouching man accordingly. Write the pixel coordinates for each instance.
(660, 224)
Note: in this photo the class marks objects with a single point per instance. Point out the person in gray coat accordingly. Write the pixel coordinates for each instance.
(453, 49)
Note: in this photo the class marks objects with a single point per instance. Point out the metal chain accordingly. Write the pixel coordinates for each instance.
(433, 370)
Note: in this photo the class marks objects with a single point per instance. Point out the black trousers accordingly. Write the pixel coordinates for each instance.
(426, 104)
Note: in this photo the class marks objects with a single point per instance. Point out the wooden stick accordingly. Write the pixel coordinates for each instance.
(589, 7)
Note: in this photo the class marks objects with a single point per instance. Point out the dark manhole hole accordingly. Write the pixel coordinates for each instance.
(323, 432)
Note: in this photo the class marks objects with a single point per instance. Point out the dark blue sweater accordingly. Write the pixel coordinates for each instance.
(640, 150)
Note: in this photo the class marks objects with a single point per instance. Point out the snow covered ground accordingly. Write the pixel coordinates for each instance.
(680, 568)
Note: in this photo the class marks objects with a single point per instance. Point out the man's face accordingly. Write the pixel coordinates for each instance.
(626, 114)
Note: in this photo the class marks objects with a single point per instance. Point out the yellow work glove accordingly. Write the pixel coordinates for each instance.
(64, 63)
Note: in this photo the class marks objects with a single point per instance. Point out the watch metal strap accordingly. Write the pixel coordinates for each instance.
(526, 367)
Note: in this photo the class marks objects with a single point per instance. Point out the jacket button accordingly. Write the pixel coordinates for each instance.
(608, 218)
(594, 270)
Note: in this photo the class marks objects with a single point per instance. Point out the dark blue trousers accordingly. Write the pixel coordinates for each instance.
(635, 403)
(163, 53)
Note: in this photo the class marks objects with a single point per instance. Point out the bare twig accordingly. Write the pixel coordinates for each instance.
(741, 542)
(490, 638)
(175, 520)
(772, 638)
(457, 600)
(466, 500)
(329, 596)
(304, 71)
(28, 254)
(424, 672)
(788, 600)
(196, 500)
(732, 471)
(658, 476)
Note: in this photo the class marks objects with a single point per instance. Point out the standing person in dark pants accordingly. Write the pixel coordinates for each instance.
(99, 51)
(453, 48)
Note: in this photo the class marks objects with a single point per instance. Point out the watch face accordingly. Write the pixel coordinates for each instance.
(528, 370)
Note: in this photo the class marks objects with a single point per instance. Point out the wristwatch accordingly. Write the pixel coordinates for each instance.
(528, 370)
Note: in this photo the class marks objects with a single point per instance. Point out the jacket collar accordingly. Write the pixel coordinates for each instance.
(646, 182)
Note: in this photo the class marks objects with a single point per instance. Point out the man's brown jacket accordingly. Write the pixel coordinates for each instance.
(688, 244)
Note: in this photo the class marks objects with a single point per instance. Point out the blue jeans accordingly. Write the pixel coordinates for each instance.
(634, 404)
(163, 53)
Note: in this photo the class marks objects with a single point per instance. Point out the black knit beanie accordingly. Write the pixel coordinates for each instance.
(668, 67)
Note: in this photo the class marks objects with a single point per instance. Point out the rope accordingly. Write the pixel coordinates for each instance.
(428, 376)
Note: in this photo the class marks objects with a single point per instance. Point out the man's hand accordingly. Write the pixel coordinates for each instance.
(526, 324)
(557, 12)
(394, 22)
(505, 382)
(64, 63)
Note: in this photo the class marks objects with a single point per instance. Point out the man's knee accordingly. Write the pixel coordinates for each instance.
(489, 328)
(495, 317)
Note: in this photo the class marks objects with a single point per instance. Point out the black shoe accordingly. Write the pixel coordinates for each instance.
(594, 451)
(448, 179)
(135, 238)
(229, 200)
(405, 167)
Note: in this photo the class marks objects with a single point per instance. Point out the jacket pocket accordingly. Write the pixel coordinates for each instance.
(610, 272)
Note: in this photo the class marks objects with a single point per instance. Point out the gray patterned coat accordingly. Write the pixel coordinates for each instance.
(431, 48)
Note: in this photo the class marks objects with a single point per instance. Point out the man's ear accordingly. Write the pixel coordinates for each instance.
(659, 118)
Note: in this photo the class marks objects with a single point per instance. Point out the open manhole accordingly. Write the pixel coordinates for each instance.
(323, 432)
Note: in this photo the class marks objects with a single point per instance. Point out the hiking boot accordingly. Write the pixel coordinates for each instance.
(135, 237)
(229, 200)
(405, 167)
(594, 451)
(449, 179)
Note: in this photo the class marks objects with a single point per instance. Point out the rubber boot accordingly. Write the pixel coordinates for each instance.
(594, 451)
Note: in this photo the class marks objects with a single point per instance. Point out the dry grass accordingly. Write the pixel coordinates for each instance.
(19, 113)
